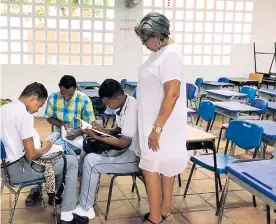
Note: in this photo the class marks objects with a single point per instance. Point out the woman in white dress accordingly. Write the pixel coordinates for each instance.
(162, 117)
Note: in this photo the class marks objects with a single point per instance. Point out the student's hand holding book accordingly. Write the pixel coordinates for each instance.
(91, 133)
(97, 127)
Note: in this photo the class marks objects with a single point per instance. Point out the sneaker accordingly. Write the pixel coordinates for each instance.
(32, 198)
(80, 212)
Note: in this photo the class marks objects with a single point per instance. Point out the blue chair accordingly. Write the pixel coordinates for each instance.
(206, 112)
(241, 133)
(250, 92)
(19, 186)
(260, 104)
(134, 94)
(199, 82)
(223, 79)
(123, 83)
(190, 93)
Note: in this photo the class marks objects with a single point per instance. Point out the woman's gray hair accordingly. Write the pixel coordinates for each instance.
(153, 24)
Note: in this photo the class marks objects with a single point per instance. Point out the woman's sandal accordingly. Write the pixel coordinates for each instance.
(146, 218)
(164, 217)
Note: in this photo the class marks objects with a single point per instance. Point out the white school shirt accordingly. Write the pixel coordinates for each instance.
(17, 124)
(127, 120)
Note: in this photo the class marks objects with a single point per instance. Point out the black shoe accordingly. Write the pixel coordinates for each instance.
(32, 198)
(51, 201)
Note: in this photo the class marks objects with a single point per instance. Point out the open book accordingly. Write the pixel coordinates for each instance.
(54, 149)
(85, 125)
(77, 142)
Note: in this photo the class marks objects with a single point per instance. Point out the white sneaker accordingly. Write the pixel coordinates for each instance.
(80, 212)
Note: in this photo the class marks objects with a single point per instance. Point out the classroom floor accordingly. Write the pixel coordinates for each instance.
(197, 208)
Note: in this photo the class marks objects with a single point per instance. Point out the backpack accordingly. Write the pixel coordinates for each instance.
(98, 105)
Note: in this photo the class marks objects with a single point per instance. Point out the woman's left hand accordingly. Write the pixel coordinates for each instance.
(154, 140)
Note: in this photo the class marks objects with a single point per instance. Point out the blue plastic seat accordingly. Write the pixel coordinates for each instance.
(241, 133)
(12, 186)
(134, 94)
(199, 82)
(223, 79)
(260, 104)
(190, 93)
(207, 161)
(250, 92)
(123, 83)
(206, 112)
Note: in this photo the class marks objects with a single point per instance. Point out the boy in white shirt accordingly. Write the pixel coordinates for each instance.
(18, 134)
(113, 96)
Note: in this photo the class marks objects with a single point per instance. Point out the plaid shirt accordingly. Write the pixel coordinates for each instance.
(78, 107)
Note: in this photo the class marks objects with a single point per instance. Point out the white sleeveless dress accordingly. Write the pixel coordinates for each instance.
(162, 66)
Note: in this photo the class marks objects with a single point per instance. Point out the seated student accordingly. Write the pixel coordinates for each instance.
(114, 97)
(64, 108)
(17, 135)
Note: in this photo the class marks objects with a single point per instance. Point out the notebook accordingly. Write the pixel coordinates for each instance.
(77, 142)
(85, 125)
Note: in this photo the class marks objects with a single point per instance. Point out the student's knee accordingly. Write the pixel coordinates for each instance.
(72, 161)
(92, 159)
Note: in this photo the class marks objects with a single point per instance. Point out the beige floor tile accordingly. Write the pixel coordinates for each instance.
(118, 209)
(142, 206)
(35, 215)
(245, 215)
(190, 203)
(105, 180)
(126, 189)
(136, 220)
(233, 201)
(179, 191)
(203, 186)
(197, 175)
(117, 194)
(178, 219)
(204, 217)
(124, 180)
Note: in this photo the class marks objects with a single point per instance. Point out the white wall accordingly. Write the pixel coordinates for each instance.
(128, 54)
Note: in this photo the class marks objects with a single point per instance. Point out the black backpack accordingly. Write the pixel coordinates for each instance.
(98, 105)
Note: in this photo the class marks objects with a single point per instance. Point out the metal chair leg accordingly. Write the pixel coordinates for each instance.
(267, 214)
(136, 188)
(223, 200)
(189, 180)
(197, 120)
(219, 182)
(179, 180)
(14, 205)
(254, 201)
(132, 188)
(217, 192)
(55, 211)
(220, 134)
(2, 186)
(97, 190)
(41, 195)
(213, 121)
(109, 196)
(255, 153)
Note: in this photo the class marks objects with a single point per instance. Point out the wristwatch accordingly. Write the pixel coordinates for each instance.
(157, 129)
